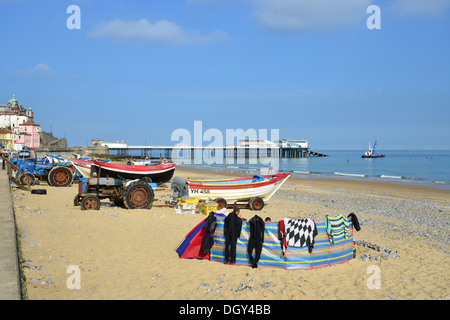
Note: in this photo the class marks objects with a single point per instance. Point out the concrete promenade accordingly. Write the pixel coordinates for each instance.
(9, 260)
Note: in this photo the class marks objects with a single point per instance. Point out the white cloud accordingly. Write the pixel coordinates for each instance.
(428, 8)
(161, 31)
(296, 15)
(40, 70)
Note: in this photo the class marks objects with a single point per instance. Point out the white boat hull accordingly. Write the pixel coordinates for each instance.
(83, 166)
(239, 195)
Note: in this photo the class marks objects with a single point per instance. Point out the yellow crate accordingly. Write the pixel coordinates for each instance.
(207, 208)
(189, 200)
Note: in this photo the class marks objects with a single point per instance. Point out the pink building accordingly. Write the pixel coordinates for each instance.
(29, 135)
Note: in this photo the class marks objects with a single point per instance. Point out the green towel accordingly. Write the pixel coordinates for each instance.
(336, 227)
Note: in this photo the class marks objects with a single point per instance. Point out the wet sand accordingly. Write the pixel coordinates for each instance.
(130, 254)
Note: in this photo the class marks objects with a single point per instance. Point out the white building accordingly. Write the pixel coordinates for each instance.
(101, 143)
(295, 143)
(14, 114)
(248, 143)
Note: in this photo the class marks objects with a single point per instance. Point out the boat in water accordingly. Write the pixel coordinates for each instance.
(370, 152)
(157, 173)
(253, 191)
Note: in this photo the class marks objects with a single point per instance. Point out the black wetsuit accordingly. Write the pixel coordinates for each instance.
(232, 231)
(210, 226)
(256, 239)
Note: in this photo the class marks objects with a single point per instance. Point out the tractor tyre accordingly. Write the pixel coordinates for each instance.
(138, 195)
(77, 200)
(60, 176)
(27, 176)
(90, 202)
(39, 191)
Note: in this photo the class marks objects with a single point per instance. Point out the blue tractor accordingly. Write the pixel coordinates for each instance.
(57, 175)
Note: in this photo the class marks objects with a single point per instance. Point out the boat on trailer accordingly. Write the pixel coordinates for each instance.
(158, 173)
(254, 191)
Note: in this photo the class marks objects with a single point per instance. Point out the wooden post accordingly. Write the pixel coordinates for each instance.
(9, 164)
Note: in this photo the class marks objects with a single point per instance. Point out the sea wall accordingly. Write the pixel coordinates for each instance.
(91, 151)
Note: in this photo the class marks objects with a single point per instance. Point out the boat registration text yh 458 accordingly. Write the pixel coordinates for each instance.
(204, 191)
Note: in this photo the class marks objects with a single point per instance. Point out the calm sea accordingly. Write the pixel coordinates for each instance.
(428, 167)
(425, 167)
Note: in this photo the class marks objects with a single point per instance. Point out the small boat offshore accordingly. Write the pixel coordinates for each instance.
(370, 152)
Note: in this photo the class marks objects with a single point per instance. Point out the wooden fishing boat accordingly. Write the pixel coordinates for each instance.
(254, 191)
(83, 166)
(158, 173)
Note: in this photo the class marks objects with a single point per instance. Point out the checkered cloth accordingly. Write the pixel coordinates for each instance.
(298, 233)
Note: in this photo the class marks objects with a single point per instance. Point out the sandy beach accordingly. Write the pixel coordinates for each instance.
(130, 254)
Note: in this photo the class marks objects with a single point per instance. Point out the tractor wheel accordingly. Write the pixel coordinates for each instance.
(256, 203)
(27, 176)
(60, 176)
(77, 200)
(221, 203)
(90, 202)
(72, 168)
(138, 195)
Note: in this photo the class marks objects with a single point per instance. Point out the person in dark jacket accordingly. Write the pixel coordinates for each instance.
(256, 239)
(232, 231)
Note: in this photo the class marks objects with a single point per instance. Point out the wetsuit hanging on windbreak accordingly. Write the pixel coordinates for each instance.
(256, 239)
(232, 231)
(210, 226)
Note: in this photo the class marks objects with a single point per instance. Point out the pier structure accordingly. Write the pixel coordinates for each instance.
(212, 151)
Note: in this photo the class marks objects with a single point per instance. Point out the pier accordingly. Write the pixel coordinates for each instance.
(211, 151)
(299, 153)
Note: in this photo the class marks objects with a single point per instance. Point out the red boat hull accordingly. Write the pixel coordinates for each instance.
(159, 173)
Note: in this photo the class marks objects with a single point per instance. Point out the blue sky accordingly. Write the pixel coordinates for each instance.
(138, 70)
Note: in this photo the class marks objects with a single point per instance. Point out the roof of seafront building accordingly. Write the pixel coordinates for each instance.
(13, 101)
(14, 107)
(29, 123)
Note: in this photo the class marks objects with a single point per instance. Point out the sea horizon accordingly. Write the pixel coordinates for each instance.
(414, 167)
